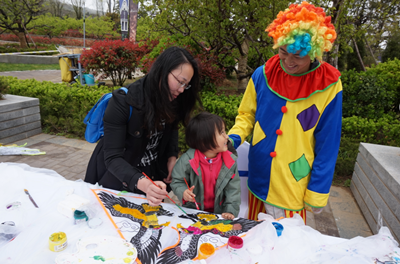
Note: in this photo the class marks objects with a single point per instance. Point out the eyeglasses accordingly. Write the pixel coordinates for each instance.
(183, 85)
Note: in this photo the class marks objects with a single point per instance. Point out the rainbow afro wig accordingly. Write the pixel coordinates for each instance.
(303, 28)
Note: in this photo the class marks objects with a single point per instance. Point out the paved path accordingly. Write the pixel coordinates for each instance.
(42, 75)
(68, 157)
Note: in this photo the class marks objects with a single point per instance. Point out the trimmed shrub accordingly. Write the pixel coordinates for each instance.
(384, 130)
(367, 94)
(113, 59)
(4, 87)
(62, 107)
(45, 40)
(347, 156)
(388, 73)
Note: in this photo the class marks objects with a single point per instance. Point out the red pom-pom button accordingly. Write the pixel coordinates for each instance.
(284, 109)
(273, 154)
(279, 132)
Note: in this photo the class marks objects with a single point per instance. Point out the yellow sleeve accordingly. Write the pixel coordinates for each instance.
(244, 121)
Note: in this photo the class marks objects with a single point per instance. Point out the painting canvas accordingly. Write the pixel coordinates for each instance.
(164, 234)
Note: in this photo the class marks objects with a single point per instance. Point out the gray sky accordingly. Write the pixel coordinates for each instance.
(91, 4)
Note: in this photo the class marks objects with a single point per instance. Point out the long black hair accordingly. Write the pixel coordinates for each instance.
(158, 105)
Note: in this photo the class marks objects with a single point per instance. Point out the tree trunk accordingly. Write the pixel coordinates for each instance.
(329, 58)
(335, 59)
(358, 55)
(133, 12)
(336, 9)
(242, 67)
(336, 62)
(22, 39)
(372, 53)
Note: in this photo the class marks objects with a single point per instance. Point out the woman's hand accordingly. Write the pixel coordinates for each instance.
(155, 194)
(188, 195)
(170, 165)
(228, 216)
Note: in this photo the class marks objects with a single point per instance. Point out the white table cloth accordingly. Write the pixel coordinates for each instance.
(297, 244)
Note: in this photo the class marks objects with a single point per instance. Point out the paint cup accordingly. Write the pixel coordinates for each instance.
(80, 216)
(13, 205)
(206, 250)
(58, 242)
(8, 231)
(235, 243)
(278, 227)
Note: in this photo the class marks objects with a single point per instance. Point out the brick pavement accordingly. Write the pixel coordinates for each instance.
(68, 157)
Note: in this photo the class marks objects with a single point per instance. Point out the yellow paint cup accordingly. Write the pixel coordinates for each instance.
(206, 250)
(58, 242)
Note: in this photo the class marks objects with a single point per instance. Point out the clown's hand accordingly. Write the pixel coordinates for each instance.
(231, 148)
(317, 210)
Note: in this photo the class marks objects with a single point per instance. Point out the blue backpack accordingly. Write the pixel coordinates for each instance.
(94, 119)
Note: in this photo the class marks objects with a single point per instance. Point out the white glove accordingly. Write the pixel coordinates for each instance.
(317, 210)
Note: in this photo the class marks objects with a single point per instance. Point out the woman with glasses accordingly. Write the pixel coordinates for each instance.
(141, 128)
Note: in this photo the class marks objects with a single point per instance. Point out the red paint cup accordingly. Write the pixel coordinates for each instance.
(235, 243)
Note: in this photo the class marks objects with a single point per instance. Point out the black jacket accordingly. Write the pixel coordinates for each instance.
(114, 160)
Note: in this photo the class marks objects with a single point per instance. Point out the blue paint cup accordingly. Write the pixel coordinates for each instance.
(278, 227)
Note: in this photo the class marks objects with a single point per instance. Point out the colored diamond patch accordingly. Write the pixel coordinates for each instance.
(309, 117)
(300, 168)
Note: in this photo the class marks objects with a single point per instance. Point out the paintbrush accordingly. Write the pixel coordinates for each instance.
(197, 206)
(167, 194)
(30, 198)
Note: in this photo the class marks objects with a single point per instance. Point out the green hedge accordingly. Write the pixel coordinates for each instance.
(383, 131)
(223, 105)
(62, 107)
(374, 93)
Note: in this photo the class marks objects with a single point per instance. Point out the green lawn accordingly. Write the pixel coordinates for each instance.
(27, 67)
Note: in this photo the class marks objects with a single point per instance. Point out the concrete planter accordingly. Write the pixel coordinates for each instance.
(376, 186)
(19, 118)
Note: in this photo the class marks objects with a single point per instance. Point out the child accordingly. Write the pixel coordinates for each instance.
(209, 168)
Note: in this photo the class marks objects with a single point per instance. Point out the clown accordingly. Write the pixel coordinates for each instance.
(293, 109)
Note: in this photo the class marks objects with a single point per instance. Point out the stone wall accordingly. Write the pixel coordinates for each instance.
(19, 118)
(376, 186)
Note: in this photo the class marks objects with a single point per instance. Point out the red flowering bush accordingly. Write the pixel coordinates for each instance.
(73, 33)
(210, 74)
(113, 59)
(8, 37)
(45, 40)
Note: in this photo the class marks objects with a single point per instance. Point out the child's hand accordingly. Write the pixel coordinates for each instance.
(228, 216)
(188, 195)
